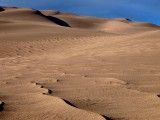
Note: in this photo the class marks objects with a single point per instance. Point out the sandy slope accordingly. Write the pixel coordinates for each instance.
(61, 66)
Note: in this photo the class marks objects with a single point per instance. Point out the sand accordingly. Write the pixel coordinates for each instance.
(61, 66)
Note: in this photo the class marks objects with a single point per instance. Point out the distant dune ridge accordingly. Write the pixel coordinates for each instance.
(61, 66)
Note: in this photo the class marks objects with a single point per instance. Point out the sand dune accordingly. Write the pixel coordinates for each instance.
(61, 66)
(145, 24)
(26, 101)
(53, 12)
(101, 24)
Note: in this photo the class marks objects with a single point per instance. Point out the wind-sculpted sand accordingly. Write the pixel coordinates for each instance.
(61, 66)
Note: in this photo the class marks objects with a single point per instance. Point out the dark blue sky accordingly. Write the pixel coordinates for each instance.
(139, 10)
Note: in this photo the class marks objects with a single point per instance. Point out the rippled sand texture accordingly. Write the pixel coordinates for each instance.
(61, 66)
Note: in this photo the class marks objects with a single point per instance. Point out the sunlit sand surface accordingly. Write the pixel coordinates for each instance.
(61, 66)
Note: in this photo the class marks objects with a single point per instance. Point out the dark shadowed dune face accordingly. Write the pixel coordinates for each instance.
(1, 106)
(1, 9)
(58, 21)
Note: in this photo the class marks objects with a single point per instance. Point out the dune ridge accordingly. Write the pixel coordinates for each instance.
(38, 97)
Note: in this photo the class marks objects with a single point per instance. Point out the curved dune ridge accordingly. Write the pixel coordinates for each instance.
(54, 12)
(29, 98)
(144, 24)
(26, 15)
(61, 66)
(97, 23)
(71, 20)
